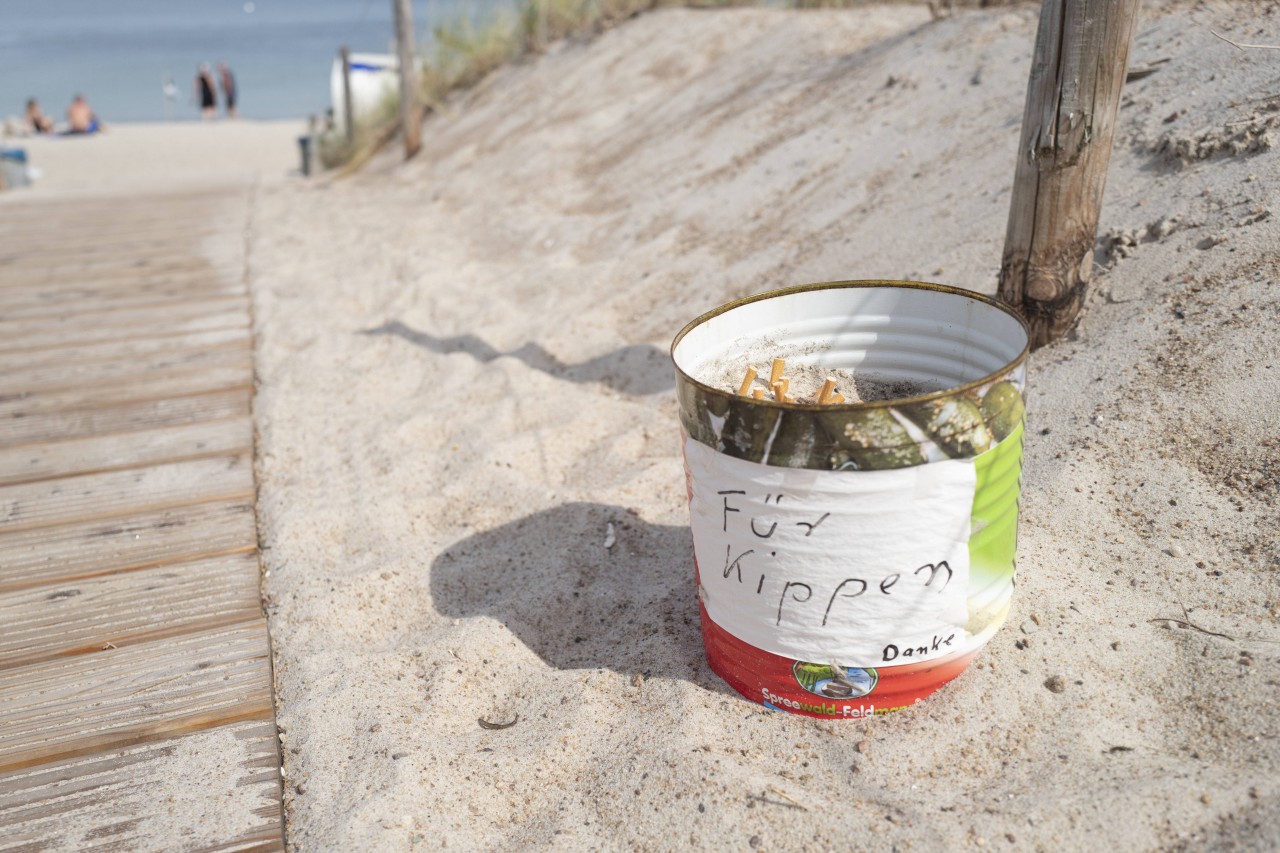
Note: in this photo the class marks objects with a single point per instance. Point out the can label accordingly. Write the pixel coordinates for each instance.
(854, 568)
(782, 555)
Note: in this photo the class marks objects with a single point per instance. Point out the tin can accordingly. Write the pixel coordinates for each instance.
(852, 558)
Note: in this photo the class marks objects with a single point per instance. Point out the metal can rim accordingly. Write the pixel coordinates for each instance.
(859, 283)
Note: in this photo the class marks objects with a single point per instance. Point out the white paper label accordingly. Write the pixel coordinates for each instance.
(860, 568)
